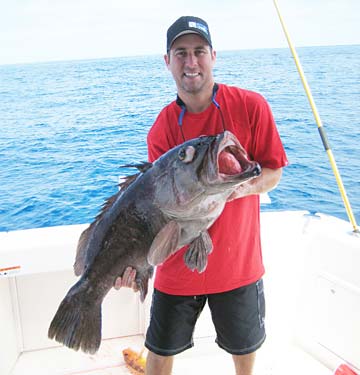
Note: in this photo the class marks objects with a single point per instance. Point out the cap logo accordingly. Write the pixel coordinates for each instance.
(200, 26)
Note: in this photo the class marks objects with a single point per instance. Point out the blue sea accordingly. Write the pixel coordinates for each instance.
(67, 127)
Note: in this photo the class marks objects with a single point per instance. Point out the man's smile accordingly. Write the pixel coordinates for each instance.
(191, 75)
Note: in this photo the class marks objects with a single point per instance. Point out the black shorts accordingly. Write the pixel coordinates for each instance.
(238, 316)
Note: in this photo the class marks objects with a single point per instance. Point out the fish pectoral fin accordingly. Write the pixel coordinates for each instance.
(198, 251)
(165, 243)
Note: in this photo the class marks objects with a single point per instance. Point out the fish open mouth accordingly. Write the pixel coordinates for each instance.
(232, 160)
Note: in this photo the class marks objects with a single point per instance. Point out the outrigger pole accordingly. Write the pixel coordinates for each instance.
(319, 123)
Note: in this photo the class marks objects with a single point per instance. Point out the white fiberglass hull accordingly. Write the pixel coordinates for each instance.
(312, 290)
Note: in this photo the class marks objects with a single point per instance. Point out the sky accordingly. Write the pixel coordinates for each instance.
(51, 30)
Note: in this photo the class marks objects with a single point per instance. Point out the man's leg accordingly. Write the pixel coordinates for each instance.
(244, 364)
(158, 364)
(238, 316)
(171, 329)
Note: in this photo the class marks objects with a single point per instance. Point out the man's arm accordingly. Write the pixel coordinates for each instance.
(267, 181)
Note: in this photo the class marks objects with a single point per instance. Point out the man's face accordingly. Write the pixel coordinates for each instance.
(191, 61)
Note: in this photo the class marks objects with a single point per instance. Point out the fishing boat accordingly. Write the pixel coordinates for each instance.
(313, 303)
(312, 287)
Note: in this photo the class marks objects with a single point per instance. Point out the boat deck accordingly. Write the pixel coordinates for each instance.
(205, 358)
(312, 283)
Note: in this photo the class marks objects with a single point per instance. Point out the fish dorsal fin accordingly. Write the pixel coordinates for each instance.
(198, 251)
(84, 252)
(165, 243)
(128, 180)
(81, 251)
(107, 204)
(142, 167)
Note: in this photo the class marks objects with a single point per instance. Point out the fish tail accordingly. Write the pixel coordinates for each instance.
(77, 322)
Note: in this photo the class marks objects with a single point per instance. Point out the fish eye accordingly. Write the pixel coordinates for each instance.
(187, 154)
(182, 154)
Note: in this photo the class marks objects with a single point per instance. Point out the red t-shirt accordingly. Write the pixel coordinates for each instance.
(236, 259)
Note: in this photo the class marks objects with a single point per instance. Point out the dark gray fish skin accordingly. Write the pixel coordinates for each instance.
(168, 205)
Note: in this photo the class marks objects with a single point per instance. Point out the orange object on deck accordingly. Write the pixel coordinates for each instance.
(135, 362)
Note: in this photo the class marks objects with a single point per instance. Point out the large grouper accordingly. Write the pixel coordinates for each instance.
(168, 204)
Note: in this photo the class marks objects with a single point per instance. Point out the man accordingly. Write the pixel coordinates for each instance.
(231, 283)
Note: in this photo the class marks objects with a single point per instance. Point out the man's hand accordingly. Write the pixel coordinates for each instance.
(240, 192)
(127, 280)
(267, 181)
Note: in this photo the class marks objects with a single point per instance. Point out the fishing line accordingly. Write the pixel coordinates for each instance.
(321, 129)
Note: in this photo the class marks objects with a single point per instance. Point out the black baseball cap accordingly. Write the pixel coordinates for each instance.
(187, 25)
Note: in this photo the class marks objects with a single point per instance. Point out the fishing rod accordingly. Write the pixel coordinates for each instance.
(321, 130)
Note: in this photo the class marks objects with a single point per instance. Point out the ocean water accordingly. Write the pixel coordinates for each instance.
(67, 127)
